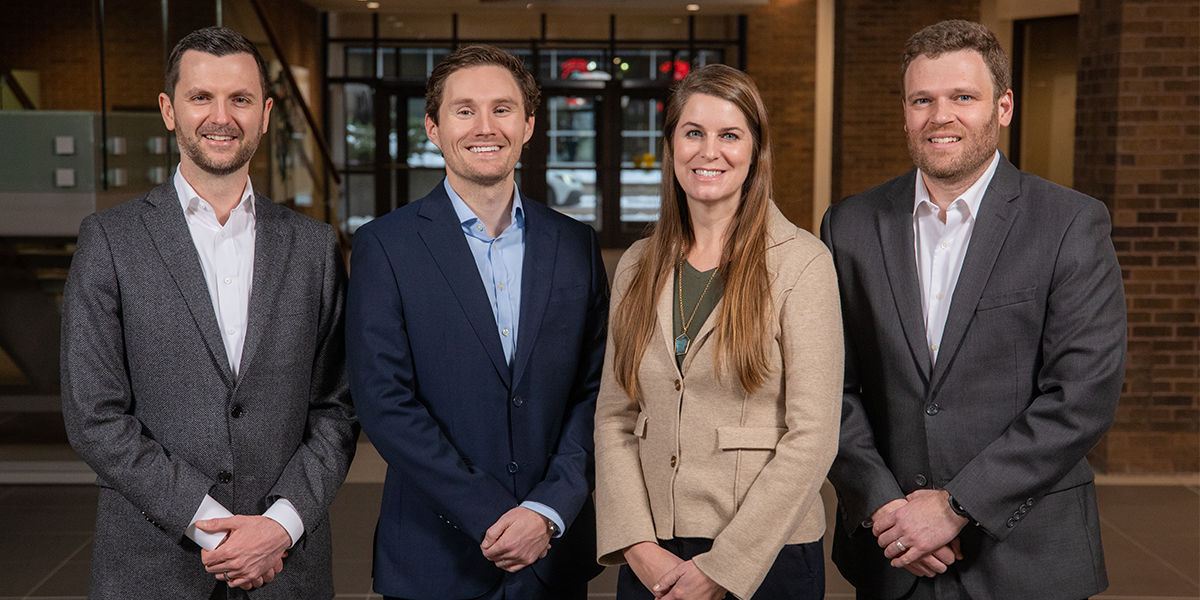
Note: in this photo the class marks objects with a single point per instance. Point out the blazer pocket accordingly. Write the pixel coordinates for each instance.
(639, 428)
(749, 438)
(573, 292)
(1005, 299)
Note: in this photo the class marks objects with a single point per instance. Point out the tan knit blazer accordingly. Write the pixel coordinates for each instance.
(699, 457)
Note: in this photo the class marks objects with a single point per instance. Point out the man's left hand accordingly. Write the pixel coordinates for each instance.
(252, 553)
(519, 538)
(922, 526)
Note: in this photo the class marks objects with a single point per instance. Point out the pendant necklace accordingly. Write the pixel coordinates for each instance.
(683, 342)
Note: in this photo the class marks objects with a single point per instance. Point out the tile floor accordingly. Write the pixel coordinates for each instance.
(1151, 533)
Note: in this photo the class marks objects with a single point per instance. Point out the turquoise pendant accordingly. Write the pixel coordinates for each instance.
(681, 344)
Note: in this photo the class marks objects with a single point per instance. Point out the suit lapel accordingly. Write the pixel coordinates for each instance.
(900, 264)
(666, 324)
(537, 272)
(173, 240)
(443, 236)
(996, 215)
(272, 239)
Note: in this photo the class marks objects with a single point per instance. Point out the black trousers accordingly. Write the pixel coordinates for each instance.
(525, 585)
(797, 574)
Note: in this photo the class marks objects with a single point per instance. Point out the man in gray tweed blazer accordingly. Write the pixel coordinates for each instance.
(203, 361)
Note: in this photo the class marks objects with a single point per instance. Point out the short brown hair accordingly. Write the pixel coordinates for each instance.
(952, 36)
(477, 56)
(217, 41)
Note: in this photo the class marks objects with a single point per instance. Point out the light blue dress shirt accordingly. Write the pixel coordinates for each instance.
(499, 260)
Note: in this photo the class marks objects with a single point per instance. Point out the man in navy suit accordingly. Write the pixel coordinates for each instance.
(475, 338)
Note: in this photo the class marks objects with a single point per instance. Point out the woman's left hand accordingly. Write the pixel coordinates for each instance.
(686, 582)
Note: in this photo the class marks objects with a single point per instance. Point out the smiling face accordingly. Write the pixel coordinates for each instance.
(481, 126)
(217, 113)
(713, 150)
(952, 116)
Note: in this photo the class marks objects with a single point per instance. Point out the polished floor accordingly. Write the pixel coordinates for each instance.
(1151, 533)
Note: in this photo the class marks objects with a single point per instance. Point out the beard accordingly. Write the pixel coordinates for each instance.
(191, 146)
(979, 146)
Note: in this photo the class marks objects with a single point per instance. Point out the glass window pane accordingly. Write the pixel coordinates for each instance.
(360, 125)
(641, 146)
(421, 152)
(421, 182)
(358, 200)
(359, 62)
(574, 64)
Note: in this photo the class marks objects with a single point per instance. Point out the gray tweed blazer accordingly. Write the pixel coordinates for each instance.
(151, 404)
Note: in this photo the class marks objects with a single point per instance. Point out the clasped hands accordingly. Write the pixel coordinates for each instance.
(669, 577)
(252, 552)
(520, 537)
(919, 533)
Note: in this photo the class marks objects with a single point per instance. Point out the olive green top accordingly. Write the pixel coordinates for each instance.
(694, 283)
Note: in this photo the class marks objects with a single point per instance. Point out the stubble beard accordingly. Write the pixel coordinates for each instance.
(191, 147)
(980, 147)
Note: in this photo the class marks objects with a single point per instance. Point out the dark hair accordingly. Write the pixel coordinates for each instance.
(477, 56)
(952, 36)
(217, 41)
(743, 312)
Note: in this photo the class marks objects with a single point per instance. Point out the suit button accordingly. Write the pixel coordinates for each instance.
(921, 481)
(512, 467)
(224, 477)
(674, 461)
(518, 401)
(1029, 503)
(1024, 509)
(1011, 522)
(932, 409)
(237, 412)
(678, 385)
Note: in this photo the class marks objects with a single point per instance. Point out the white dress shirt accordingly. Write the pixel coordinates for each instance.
(941, 247)
(227, 262)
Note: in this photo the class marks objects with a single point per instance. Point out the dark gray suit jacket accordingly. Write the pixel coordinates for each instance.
(151, 405)
(1026, 381)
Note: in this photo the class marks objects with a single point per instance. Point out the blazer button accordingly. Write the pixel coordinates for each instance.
(1029, 503)
(224, 477)
(512, 467)
(921, 481)
(1011, 523)
(518, 401)
(932, 409)
(237, 412)
(678, 385)
(674, 461)
(1024, 509)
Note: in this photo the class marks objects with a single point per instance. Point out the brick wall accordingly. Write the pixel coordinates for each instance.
(1138, 149)
(781, 56)
(869, 146)
(59, 42)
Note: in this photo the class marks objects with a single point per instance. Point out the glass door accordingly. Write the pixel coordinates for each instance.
(409, 166)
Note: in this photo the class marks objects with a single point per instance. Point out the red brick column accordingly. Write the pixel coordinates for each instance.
(1138, 150)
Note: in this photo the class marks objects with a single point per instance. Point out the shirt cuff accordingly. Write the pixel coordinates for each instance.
(284, 513)
(547, 512)
(209, 509)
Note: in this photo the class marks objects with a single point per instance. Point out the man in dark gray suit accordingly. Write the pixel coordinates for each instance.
(985, 350)
(204, 363)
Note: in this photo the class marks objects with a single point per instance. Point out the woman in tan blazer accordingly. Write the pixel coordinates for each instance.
(718, 412)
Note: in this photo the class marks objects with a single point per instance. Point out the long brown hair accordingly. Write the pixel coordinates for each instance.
(742, 319)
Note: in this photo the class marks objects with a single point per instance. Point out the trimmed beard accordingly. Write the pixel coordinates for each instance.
(981, 147)
(190, 146)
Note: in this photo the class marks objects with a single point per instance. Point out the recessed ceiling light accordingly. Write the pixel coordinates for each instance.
(372, 5)
(693, 7)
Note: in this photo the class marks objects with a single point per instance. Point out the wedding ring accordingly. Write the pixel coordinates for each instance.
(901, 547)
(226, 574)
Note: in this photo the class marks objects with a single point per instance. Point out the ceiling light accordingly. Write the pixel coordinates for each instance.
(693, 7)
(372, 5)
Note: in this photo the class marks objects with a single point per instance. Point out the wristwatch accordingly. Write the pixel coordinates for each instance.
(551, 526)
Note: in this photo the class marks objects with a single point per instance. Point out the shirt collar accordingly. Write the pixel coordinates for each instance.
(467, 217)
(972, 198)
(190, 200)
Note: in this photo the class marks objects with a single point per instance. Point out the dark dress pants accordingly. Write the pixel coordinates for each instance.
(525, 585)
(797, 574)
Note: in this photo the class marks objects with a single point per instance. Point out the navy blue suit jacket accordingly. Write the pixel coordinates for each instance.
(466, 437)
